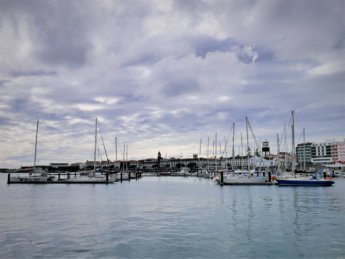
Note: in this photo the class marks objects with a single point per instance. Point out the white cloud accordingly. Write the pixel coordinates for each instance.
(88, 107)
(106, 100)
(224, 98)
(328, 68)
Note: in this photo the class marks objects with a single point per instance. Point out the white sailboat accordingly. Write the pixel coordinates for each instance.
(37, 175)
(246, 177)
(92, 176)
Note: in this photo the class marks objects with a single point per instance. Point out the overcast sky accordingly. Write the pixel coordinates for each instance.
(161, 75)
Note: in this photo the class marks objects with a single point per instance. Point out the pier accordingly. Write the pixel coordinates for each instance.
(74, 178)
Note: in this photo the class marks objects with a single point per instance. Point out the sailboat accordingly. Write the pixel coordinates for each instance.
(312, 181)
(249, 177)
(37, 175)
(91, 176)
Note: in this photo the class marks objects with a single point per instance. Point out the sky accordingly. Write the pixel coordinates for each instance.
(165, 75)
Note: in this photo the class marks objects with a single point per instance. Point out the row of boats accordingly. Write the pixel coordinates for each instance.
(254, 177)
(283, 179)
(232, 177)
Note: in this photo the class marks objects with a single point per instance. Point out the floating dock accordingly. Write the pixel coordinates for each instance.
(77, 179)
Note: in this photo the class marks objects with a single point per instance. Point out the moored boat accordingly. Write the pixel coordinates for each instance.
(32, 178)
(247, 178)
(36, 176)
(183, 172)
(311, 182)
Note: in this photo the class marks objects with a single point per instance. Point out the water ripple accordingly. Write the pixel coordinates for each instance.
(171, 218)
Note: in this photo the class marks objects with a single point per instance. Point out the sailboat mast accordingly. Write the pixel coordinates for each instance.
(208, 153)
(126, 157)
(278, 151)
(293, 141)
(248, 156)
(34, 169)
(215, 151)
(233, 144)
(116, 149)
(241, 152)
(215, 146)
(124, 153)
(200, 147)
(94, 156)
(285, 148)
(199, 153)
(304, 149)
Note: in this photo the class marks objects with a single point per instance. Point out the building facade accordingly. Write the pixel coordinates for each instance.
(338, 152)
(320, 153)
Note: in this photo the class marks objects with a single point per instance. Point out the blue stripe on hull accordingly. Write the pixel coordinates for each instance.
(304, 183)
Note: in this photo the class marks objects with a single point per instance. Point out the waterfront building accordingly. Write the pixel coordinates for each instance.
(304, 154)
(338, 152)
(317, 154)
(321, 153)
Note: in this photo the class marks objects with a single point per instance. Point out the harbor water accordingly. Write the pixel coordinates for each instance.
(171, 217)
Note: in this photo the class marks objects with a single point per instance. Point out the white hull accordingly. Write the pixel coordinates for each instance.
(89, 179)
(244, 180)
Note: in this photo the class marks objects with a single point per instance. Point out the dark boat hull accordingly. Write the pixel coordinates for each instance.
(311, 183)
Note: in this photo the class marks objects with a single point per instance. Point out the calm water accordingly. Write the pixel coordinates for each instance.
(171, 217)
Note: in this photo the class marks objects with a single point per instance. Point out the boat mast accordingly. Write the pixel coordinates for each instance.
(94, 156)
(233, 145)
(241, 152)
(304, 149)
(215, 152)
(293, 141)
(248, 162)
(278, 151)
(116, 149)
(208, 153)
(126, 157)
(285, 148)
(34, 169)
(124, 154)
(199, 153)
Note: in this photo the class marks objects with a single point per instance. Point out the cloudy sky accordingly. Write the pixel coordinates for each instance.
(161, 75)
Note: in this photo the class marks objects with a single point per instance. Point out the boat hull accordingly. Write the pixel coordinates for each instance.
(245, 180)
(311, 183)
(246, 183)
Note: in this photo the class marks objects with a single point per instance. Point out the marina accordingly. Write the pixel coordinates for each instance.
(171, 217)
(172, 129)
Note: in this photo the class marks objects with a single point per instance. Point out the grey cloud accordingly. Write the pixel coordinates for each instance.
(37, 73)
(146, 59)
(178, 86)
(132, 98)
(3, 82)
(58, 30)
(4, 121)
(20, 104)
(62, 34)
(204, 45)
(340, 42)
(194, 6)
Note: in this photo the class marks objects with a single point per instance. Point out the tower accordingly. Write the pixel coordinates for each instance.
(265, 148)
(159, 159)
